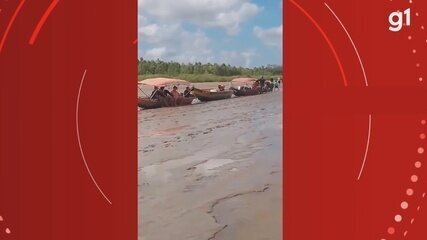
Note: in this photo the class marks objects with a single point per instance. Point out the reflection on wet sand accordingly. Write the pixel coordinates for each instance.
(212, 170)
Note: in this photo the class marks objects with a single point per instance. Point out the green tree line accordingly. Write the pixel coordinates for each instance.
(158, 67)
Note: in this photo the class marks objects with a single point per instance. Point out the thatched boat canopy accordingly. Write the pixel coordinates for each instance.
(243, 81)
(163, 82)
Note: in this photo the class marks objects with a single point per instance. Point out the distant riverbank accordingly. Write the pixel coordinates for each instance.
(197, 78)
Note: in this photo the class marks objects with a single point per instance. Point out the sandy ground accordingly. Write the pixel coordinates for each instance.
(211, 170)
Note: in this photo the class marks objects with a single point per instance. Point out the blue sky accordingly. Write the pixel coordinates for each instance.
(237, 32)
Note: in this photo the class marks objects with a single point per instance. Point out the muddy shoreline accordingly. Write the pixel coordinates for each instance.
(211, 170)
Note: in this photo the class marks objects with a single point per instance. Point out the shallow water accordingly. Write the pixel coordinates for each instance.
(211, 170)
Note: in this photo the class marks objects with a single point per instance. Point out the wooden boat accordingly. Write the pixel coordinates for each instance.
(183, 101)
(205, 95)
(246, 87)
(147, 103)
(264, 85)
(246, 92)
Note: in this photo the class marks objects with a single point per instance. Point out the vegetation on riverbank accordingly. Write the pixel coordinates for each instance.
(196, 78)
(198, 72)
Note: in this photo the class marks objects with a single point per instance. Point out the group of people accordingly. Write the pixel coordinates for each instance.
(264, 85)
(271, 85)
(172, 96)
(161, 93)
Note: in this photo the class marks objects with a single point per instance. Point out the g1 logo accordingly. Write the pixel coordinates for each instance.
(397, 24)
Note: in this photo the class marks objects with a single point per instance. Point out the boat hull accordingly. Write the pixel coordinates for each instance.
(206, 95)
(248, 92)
(185, 101)
(147, 103)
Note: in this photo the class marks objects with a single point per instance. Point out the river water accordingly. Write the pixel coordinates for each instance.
(211, 170)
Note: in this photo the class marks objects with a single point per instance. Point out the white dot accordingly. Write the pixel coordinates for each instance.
(410, 192)
(398, 218)
(404, 205)
(420, 150)
(418, 164)
(414, 178)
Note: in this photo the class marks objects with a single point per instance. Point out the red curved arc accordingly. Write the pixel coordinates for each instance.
(42, 21)
(331, 46)
(9, 25)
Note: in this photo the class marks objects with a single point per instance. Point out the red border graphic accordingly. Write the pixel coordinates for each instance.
(47, 189)
(329, 192)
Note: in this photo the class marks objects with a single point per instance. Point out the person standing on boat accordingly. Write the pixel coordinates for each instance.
(164, 96)
(165, 92)
(187, 92)
(175, 94)
(157, 94)
(262, 83)
(221, 88)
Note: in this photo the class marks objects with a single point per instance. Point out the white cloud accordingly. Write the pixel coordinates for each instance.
(270, 36)
(156, 53)
(237, 58)
(184, 46)
(155, 33)
(172, 42)
(149, 30)
(226, 14)
(248, 56)
(163, 35)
